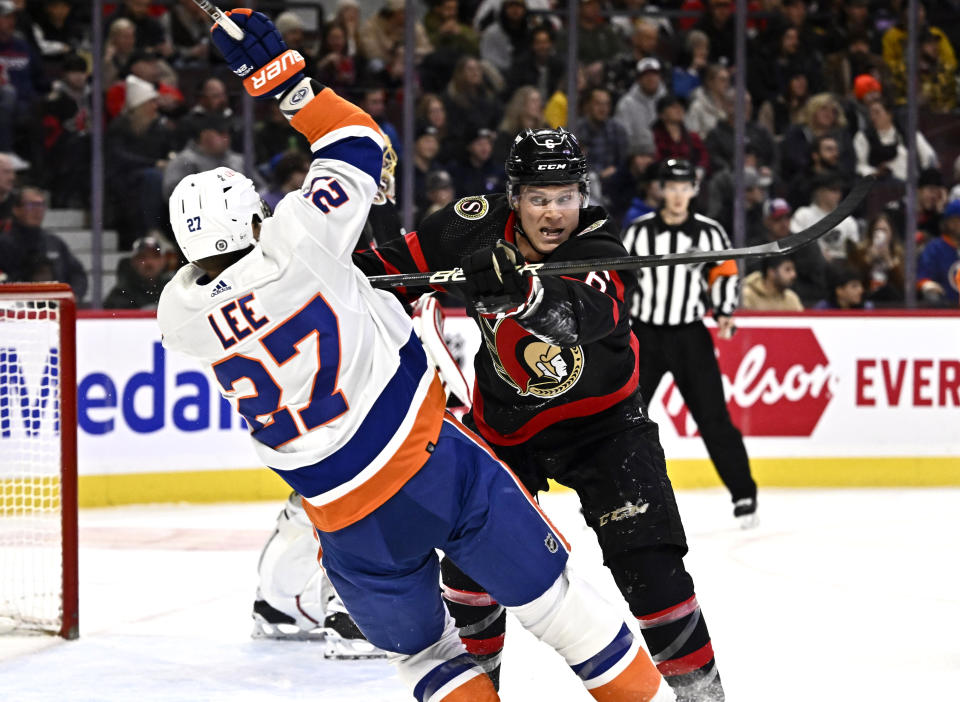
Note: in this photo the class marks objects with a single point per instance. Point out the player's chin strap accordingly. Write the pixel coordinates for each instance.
(428, 325)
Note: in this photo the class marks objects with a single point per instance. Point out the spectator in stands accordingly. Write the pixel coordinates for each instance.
(637, 109)
(347, 17)
(381, 35)
(881, 147)
(25, 241)
(149, 67)
(476, 172)
(287, 175)
(866, 90)
(188, 27)
(821, 116)
(628, 188)
(721, 193)
(524, 111)
(880, 261)
(598, 40)
(121, 43)
(209, 149)
(674, 140)
(938, 63)
(426, 146)
(810, 266)
(768, 289)
(141, 276)
(272, 136)
(851, 19)
(138, 145)
(827, 193)
(843, 68)
(786, 108)
(374, 103)
(604, 139)
(22, 82)
(720, 141)
(470, 101)
(717, 23)
(211, 101)
(509, 36)
(66, 122)
(793, 13)
(824, 158)
(622, 68)
(691, 62)
(445, 31)
(938, 262)
(432, 111)
(293, 31)
(440, 192)
(538, 66)
(648, 196)
(932, 198)
(845, 289)
(774, 67)
(338, 67)
(56, 31)
(150, 33)
(8, 177)
(555, 111)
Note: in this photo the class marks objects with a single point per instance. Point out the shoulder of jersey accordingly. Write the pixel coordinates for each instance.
(706, 220)
(643, 219)
(476, 207)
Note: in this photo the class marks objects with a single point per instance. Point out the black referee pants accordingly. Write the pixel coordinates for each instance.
(687, 352)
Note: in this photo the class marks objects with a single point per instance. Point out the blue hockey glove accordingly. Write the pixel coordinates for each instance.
(261, 58)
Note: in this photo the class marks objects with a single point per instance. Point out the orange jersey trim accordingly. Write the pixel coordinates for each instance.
(326, 112)
(727, 268)
(384, 484)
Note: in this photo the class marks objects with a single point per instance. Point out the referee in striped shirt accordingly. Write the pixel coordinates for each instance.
(668, 309)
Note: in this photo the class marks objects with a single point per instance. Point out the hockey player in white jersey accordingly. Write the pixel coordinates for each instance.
(342, 403)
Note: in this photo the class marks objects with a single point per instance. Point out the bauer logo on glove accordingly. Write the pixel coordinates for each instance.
(261, 58)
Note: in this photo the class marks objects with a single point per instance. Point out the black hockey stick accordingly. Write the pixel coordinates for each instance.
(784, 246)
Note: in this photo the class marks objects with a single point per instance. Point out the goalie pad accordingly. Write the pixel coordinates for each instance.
(290, 579)
(428, 324)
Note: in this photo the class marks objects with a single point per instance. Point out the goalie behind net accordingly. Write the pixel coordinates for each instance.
(38, 563)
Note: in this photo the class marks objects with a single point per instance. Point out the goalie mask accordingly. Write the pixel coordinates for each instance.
(212, 213)
(546, 157)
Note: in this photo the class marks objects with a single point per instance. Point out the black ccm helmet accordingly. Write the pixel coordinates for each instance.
(546, 157)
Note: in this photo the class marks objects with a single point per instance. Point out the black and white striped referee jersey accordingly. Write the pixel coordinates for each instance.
(673, 295)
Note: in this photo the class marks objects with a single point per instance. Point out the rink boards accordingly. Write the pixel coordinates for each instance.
(825, 399)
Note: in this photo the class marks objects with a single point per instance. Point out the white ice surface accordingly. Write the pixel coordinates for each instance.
(839, 595)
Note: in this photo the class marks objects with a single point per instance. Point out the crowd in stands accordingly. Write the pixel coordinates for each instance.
(826, 99)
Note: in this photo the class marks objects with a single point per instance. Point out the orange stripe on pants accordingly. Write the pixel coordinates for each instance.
(477, 689)
(638, 682)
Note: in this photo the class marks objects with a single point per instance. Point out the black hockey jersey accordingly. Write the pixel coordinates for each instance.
(573, 358)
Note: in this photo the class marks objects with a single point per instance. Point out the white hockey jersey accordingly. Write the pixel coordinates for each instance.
(327, 372)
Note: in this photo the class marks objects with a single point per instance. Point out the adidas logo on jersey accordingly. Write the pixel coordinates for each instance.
(221, 287)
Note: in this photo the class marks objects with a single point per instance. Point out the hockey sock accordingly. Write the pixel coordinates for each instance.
(670, 620)
(481, 620)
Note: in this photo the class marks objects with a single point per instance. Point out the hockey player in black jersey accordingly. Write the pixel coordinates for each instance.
(556, 392)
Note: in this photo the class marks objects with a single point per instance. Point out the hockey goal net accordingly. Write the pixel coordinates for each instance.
(38, 459)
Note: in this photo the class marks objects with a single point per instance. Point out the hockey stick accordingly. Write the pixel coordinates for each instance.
(229, 26)
(784, 246)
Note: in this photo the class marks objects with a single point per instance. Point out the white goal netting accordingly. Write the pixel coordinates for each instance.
(31, 486)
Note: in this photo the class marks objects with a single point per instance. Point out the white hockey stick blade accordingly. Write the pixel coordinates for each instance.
(229, 26)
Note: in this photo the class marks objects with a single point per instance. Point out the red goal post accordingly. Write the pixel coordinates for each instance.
(38, 459)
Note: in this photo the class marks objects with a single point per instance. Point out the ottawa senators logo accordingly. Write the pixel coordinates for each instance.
(531, 365)
(472, 207)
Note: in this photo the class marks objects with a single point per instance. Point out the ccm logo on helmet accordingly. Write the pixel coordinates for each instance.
(552, 167)
(284, 66)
